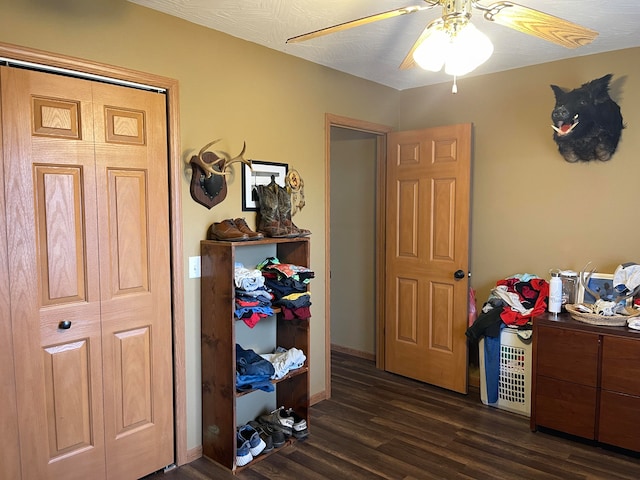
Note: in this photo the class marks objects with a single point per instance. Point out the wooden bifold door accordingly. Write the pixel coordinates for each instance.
(88, 259)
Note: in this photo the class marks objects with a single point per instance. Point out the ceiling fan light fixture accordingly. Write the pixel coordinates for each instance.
(469, 49)
(461, 52)
(431, 53)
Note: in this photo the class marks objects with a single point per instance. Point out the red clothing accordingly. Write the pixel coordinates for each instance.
(533, 294)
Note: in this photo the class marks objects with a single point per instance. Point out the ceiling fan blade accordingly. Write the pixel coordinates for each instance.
(360, 21)
(408, 61)
(538, 24)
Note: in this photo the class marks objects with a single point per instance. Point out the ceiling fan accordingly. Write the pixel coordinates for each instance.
(453, 41)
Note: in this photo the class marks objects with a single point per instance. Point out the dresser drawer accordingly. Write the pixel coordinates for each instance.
(567, 355)
(619, 420)
(565, 406)
(621, 365)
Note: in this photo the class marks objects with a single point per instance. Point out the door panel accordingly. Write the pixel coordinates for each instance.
(87, 236)
(9, 439)
(52, 240)
(133, 213)
(427, 235)
(68, 400)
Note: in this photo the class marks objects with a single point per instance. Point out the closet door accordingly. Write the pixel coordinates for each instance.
(52, 243)
(92, 360)
(9, 446)
(135, 287)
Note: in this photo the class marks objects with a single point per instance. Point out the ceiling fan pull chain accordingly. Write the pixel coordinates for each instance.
(454, 89)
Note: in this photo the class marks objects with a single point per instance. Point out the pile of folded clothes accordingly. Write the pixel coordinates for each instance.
(288, 285)
(252, 371)
(284, 360)
(255, 371)
(253, 300)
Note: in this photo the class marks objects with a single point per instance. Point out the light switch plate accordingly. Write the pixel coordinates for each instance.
(194, 267)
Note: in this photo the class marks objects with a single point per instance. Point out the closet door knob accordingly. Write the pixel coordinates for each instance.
(64, 325)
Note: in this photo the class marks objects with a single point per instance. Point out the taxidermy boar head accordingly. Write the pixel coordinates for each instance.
(587, 122)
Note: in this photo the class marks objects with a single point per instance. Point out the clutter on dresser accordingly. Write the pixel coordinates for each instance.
(607, 299)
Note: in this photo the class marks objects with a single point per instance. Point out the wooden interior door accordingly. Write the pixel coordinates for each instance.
(427, 242)
(133, 228)
(9, 439)
(87, 236)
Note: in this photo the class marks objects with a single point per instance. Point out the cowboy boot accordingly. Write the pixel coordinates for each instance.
(268, 214)
(284, 205)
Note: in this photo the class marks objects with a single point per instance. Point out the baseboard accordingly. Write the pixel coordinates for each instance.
(317, 398)
(194, 454)
(353, 352)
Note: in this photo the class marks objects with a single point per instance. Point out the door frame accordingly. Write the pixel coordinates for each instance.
(170, 85)
(380, 131)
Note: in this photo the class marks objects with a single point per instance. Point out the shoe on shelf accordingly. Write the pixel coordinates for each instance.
(243, 452)
(278, 436)
(264, 435)
(241, 224)
(226, 230)
(256, 444)
(299, 427)
(278, 419)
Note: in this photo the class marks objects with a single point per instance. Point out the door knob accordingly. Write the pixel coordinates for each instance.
(64, 325)
(459, 274)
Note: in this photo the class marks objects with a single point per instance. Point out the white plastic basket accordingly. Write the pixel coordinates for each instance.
(514, 381)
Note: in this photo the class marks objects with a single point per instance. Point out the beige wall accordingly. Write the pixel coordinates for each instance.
(531, 210)
(353, 233)
(229, 89)
(526, 212)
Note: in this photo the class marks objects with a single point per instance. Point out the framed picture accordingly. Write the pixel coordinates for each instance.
(600, 283)
(261, 174)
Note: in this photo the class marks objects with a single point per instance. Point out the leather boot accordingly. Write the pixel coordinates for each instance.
(268, 214)
(284, 205)
(284, 210)
(241, 224)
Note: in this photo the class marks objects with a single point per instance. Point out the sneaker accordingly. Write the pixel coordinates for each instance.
(256, 444)
(264, 435)
(276, 434)
(243, 452)
(299, 428)
(279, 419)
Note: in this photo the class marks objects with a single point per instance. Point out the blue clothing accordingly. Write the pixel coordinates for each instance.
(253, 382)
(250, 363)
(242, 311)
(492, 366)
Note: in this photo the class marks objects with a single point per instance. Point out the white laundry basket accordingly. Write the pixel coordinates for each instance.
(514, 381)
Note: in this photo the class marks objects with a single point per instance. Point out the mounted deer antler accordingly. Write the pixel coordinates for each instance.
(209, 170)
(221, 163)
(584, 281)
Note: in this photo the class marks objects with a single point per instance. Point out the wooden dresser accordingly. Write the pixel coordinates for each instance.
(586, 380)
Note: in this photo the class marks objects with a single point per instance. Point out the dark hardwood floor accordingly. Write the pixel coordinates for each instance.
(381, 426)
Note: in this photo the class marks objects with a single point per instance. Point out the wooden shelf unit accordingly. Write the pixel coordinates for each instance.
(585, 380)
(218, 340)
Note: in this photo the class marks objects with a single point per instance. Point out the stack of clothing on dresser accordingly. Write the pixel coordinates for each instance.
(253, 300)
(288, 286)
(513, 302)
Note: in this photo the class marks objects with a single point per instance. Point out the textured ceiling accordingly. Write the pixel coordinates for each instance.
(375, 51)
